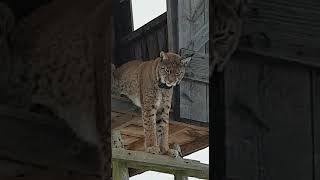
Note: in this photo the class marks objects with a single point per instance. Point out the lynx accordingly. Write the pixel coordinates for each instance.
(149, 85)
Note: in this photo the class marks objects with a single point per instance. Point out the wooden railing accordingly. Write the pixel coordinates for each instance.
(181, 168)
(123, 159)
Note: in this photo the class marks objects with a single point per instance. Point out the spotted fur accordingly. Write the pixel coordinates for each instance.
(139, 81)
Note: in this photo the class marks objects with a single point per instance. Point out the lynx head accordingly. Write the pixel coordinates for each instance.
(171, 68)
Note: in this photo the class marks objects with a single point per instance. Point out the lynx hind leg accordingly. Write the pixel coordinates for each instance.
(149, 125)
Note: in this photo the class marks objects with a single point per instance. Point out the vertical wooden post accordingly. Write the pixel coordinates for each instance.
(173, 46)
(101, 51)
(315, 116)
(116, 139)
(217, 111)
(119, 171)
(179, 176)
(172, 20)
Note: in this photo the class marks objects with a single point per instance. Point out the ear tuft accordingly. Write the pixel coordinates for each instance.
(185, 61)
(163, 55)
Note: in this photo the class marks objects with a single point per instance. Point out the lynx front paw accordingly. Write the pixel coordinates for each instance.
(174, 153)
(153, 150)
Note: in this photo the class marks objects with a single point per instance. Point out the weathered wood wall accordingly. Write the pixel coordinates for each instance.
(315, 117)
(193, 35)
(289, 29)
(271, 91)
(269, 119)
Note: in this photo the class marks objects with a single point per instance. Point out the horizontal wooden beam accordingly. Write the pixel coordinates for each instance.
(146, 161)
(282, 56)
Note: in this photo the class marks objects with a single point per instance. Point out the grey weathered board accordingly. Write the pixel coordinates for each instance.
(316, 120)
(269, 120)
(273, 105)
(194, 90)
(289, 29)
(193, 32)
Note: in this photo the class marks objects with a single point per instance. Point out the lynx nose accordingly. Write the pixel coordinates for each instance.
(170, 80)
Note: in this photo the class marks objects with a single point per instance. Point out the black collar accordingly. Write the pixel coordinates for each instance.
(163, 85)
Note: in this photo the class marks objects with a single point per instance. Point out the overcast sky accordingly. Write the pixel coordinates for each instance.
(146, 10)
(143, 12)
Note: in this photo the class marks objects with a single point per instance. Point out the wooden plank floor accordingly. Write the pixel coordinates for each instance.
(127, 118)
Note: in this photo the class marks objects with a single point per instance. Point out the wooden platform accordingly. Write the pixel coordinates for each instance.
(126, 117)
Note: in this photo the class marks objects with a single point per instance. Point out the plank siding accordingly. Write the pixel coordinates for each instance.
(269, 125)
(162, 37)
(193, 25)
(192, 102)
(272, 90)
(289, 29)
(315, 97)
(198, 69)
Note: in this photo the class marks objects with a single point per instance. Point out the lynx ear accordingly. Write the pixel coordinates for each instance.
(185, 61)
(163, 55)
